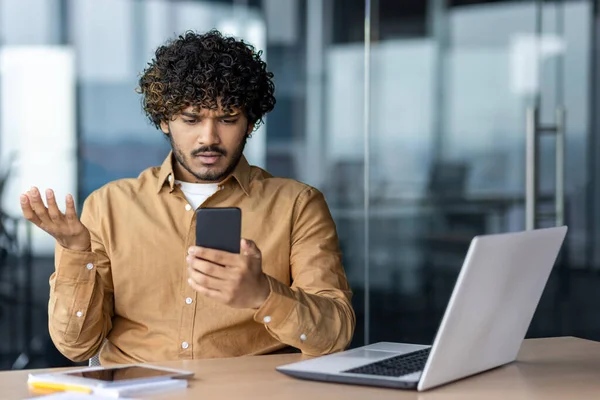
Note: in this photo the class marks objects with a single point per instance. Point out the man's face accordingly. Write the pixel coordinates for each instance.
(207, 144)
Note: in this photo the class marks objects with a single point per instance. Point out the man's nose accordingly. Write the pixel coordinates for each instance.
(208, 133)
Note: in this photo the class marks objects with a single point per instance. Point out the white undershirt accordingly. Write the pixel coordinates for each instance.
(197, 193)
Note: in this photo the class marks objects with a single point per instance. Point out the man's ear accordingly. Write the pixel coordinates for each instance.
(250, 130)
(164, 126)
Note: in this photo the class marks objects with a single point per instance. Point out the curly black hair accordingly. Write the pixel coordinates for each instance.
(202, 70)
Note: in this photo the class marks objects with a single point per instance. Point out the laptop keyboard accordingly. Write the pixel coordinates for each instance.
(403, 364)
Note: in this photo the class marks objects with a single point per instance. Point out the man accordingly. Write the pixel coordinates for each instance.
(129, 281)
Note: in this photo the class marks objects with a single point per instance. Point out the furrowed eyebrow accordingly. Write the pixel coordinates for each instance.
(223, 116)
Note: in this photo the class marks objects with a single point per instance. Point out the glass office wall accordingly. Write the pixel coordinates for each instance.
(453, 97)
(411, 116)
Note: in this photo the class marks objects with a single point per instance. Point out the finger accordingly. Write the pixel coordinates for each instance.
(70, 213)
(249, 248)
(39, 207)
(28, 212)
(208, 268)
(215, 256)
(53, 211)
(205, 281)
(214, 294)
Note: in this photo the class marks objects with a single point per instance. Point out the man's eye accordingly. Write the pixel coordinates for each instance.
(228, 121)
(189, 121)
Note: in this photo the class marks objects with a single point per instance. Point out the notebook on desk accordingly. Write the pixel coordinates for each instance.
(72, 396)
(490, 309)
(114, 381)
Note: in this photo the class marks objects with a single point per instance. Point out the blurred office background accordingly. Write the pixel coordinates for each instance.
(411, 116)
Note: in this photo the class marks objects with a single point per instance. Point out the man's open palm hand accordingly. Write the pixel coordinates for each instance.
(66, 228)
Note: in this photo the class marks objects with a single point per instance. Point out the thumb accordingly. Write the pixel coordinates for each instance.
(249, 248)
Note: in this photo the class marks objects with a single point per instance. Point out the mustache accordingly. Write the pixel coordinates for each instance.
(209, 149)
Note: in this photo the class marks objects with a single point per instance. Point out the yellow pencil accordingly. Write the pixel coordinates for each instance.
(60, 387)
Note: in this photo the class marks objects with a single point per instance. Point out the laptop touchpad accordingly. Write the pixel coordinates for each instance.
(366, 354)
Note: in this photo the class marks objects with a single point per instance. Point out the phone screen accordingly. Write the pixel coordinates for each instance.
(121, 374)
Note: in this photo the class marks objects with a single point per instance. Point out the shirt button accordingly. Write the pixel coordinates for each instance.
(189, 300)
(90, 266)
(303, 337)
(188, 207)
(185, 345)
(267, 319)
(79, 314)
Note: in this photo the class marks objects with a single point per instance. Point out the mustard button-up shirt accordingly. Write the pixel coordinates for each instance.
(129, 299)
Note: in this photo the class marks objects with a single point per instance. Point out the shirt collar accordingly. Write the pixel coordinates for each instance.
(241, 174)
(166, 173)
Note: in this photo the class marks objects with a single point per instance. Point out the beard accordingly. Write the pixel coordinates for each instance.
(215, 175)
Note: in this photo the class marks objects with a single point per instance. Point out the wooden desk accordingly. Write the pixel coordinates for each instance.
(557, 368)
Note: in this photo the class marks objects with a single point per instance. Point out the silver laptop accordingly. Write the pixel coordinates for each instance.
(487, 317)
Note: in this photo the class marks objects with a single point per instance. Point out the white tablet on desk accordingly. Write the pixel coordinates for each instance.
(113, 376)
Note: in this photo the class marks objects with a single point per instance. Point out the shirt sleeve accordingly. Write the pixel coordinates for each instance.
(315, 314)
(81, 303)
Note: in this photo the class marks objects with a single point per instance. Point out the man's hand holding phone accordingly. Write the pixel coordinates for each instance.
(236, 280)
(66, 228)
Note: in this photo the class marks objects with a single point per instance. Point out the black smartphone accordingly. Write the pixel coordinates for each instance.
(219, 228)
